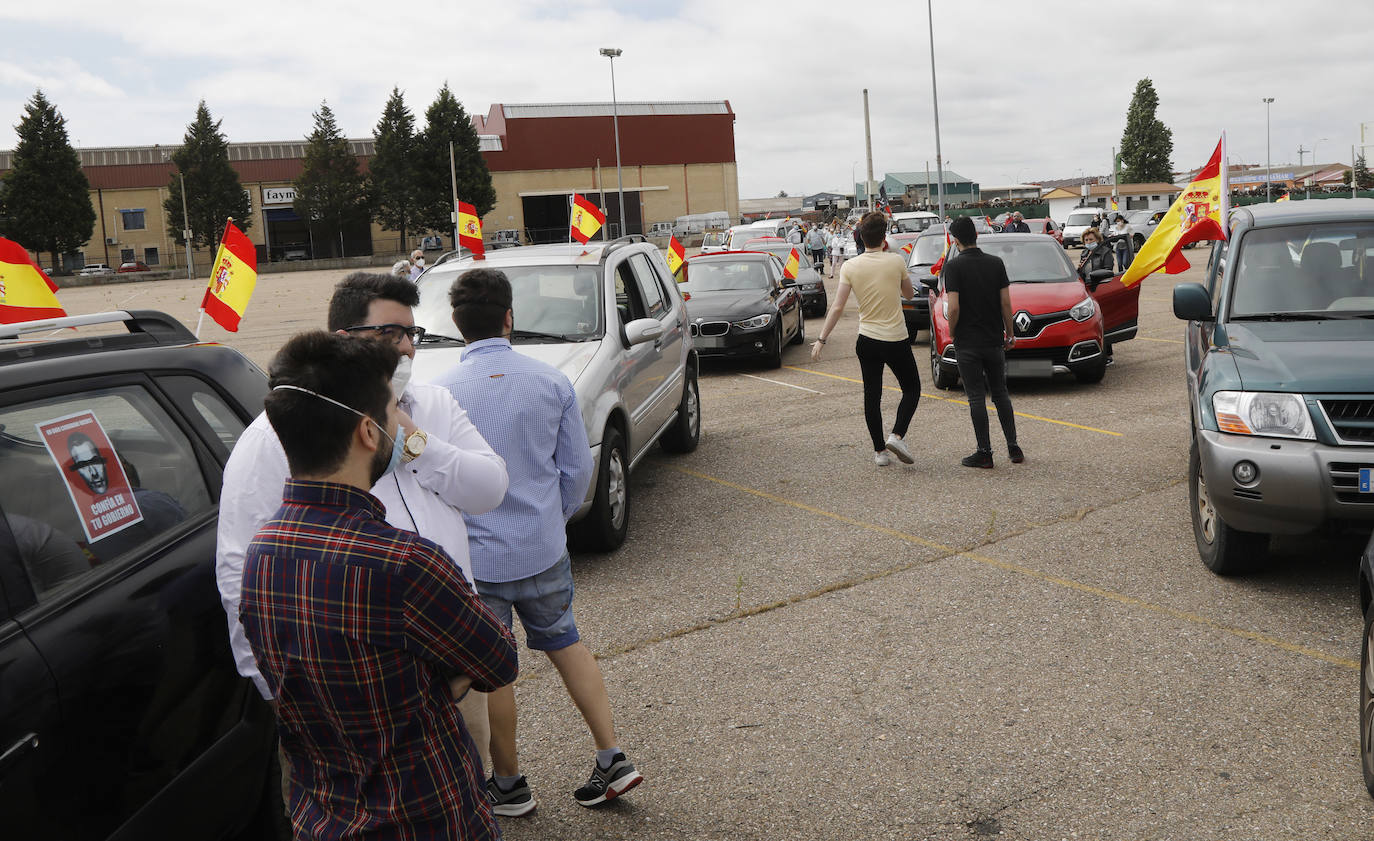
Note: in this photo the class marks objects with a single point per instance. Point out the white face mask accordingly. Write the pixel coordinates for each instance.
(420, 261)
(401, 378)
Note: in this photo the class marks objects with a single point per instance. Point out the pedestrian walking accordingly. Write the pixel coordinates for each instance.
(1122, 245)
(878, 280)
(1016, 225)
(976, 288)
(837, 241)
(365, 632)
(815, 243)
(528, 412)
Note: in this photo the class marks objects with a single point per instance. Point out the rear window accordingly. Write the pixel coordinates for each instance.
(927, 251)
(1081, 219)
(720, 275)
(564, 300)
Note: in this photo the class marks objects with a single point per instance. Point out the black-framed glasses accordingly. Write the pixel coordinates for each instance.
(391, 332)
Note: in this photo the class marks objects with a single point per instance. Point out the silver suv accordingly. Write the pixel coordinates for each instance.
(610, 317)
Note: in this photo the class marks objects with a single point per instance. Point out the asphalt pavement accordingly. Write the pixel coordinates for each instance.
(798, 643)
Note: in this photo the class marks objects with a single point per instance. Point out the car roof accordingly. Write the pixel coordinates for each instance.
(1321, 210)
(557, 254)
(716, 255)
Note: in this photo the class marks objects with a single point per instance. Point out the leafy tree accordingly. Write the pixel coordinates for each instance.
(1147, 145)
(1363, 179)
(445, 121)
(393, 168)
(331, 193)
(47, 197)
(213, 191)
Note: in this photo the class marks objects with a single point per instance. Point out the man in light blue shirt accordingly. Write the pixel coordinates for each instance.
(528, 413)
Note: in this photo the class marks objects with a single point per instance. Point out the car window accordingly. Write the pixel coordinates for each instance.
(652, 292)
(627, 297)
(223, 424)
(1316, 267)
(92, 476)
(1032, 261)
(719, 275)
(1216, 269)
(928, 249)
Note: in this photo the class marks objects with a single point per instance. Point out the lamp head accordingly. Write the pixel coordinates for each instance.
(610, 52)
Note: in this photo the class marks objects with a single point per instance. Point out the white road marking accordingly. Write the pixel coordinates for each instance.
(778, 382)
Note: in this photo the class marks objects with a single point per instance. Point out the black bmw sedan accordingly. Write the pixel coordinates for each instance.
(740, 305)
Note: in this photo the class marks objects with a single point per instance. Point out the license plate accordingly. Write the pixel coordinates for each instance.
(711, 342)
(1030, 368)
(1366, 480)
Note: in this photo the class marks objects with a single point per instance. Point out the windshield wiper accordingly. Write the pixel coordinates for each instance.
(1287, 316)
(436, 338)
(535, 334)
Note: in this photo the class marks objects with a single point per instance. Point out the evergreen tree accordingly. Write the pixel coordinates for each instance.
(47, 197)
(445, 121)
(330, 193)
(213, 191)
(1147, 145)
(1363, 179)
(393, 167)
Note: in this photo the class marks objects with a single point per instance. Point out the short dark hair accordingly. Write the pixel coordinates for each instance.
(356, 372)
(480, 298)
(354, 295)
(872, 229)
(964, 230)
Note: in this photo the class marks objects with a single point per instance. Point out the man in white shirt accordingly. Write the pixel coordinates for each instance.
(448, 468)
(417, 263)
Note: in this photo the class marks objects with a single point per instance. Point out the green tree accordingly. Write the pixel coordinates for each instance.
(330, 193)
(1147, 145)
(445, 121)
(1363, 179)
(47, 197)
(392, 170)
(213, 191)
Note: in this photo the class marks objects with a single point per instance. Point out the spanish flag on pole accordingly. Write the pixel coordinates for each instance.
(676, 255)
(1200, 212)
(470, 230)
(26, 293)
(792, 266)
(232, 279)
(585, 220)
(940, 263)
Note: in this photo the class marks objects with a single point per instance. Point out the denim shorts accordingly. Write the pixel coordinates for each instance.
(544, 602)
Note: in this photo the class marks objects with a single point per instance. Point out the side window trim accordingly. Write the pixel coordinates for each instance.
(647, 280)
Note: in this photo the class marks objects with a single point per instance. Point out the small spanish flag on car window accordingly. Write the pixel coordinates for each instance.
(676, 254)
(232, 279)
(585, 220)
(470, 230)
(793, 264)
(26, 292)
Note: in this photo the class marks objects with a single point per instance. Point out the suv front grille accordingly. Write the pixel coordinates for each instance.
(1345, 482)
(1038, 323)
(1353, 420)
(714, 328)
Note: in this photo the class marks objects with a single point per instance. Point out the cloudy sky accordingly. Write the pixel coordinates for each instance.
(1028, 90)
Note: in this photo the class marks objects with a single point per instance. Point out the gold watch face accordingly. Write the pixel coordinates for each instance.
(415, 443)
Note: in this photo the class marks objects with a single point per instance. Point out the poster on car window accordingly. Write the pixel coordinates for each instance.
(95, 478)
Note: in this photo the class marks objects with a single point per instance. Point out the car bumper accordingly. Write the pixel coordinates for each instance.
(916, 312)
(1301, 486)
(754, 342)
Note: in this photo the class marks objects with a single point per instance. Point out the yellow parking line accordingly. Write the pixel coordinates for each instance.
(1039, 575)
(960, 402)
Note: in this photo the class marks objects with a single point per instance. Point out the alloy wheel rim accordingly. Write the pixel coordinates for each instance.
(615, 489)
(1206, 514)
(693, 409)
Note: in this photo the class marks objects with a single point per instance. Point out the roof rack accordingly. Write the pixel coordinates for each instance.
(147, 328)
(626, 239)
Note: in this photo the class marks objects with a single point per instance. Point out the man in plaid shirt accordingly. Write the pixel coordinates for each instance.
(365, 633)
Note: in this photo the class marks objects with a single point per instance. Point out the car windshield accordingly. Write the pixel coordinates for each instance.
(927, 251)
(1031, 261)
(560, 300)
(1083, 219)
(719, 275)
(916, 225)
(1324, 268)
(712, 239)
(1139, 217)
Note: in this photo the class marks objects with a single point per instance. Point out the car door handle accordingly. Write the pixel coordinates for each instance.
(17, 751)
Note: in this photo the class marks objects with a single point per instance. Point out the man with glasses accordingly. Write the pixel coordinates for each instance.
(447, 466)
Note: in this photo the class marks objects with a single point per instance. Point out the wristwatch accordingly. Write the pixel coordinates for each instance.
(414, 446)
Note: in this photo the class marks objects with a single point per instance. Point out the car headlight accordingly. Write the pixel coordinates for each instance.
(1274, 414)
(755, 322)
(1083, 310)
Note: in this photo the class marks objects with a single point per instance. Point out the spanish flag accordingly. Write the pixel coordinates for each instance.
(1114, 205)
(470, 230)
(907, 249)
(26, 293)
(676, 254)
(1200, 212)
(940, 263)
(793, 264)
(585, 219)
(1283, 197)
(232, 279)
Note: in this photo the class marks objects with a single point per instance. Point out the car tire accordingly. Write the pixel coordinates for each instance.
(1223, 549)
(1138, 240)
(1367, 703)
(685, 433)
(940, 374)
(1091, 372)
(774, 356)
(800, 338)
(606, 524)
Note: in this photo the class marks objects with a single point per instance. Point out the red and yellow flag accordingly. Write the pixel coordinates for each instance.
(1114, 205)
(585, 220)
(232, 279)
(470, 230)
(940, 263)
(792, 266)
(26, 292)
(676, 254)
(908, 248)
(1283, 197)
(1200, 212)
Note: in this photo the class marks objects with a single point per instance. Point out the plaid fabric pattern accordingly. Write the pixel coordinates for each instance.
(357, 627)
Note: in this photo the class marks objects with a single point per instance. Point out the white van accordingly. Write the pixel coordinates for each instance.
(1079, 220)
(914, 221)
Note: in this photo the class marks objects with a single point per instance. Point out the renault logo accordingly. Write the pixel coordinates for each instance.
(1022, 321)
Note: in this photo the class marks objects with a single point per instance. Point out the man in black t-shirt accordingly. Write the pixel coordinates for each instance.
(976, 288)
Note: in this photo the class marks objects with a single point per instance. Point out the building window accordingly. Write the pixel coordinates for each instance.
(150, 256)
(133, 219)
(126, 255)
(1154, 198)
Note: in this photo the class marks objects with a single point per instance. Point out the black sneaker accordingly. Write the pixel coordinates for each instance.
(1014, 452)
(980, 458)
(510, 804)
(608, 783)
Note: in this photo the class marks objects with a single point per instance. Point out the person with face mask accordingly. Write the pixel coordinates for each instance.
(364, 632)
(1096, 255)
(417, 264)
(445, 464)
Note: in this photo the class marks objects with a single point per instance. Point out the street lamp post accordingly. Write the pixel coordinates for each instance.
(1313, 176)
(1268, 168)
(185, 221)
(612, 54)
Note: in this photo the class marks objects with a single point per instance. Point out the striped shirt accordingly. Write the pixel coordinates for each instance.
(357, 626)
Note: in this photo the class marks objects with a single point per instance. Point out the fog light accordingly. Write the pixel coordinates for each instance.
(1245, 472)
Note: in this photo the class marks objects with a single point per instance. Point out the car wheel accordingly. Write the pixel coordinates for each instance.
(1367, 703)
(1139, 241)
(800, 338)
(1091, 372)
(939, 372)
(605, 526)
(683, 435)
(1224, 550)
(774, 356)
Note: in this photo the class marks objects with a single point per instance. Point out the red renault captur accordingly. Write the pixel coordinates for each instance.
(1062, 325)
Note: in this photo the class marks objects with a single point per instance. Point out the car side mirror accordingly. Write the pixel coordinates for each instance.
(1192, 303)
(643, 330)
(930, 281)
(1099, 275)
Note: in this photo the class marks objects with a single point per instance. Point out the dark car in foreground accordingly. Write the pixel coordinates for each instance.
(1367, 666)
(925, 252)
(740, 305)
(121, 712)
(1279, 344)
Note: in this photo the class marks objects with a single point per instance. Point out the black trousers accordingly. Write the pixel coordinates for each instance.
(984, 370)
(873, 356)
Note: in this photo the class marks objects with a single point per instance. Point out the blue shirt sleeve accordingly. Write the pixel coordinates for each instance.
(573, 456)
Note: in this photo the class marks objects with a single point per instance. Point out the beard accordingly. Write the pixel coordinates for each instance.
(380, 460)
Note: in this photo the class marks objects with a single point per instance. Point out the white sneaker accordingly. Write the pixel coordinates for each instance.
(898, 448)
(882, 459)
